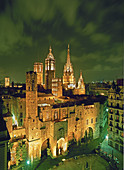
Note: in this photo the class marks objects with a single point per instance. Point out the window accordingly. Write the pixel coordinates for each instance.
(117, 118)
(20, 106)
(21, 122)
(92, 120)
(117, 112)
(21, 115)
(64, 113)
(96, 119)
(111, 118)
(87, 121)
(117, 105)
(39, 68)
(55, 115)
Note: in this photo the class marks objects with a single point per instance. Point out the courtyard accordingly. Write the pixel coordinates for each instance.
(91, 161)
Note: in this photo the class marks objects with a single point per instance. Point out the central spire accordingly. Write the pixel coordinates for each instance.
(81, 74)
(50, 49)
(68, 56)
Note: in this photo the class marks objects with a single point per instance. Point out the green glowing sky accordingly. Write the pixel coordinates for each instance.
(93, 28)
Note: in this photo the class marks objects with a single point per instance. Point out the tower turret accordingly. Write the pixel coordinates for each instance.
(81, 85)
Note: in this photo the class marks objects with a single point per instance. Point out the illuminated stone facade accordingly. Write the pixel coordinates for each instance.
(57, 87)
(68, 74)
(14, 107)
(38, 68)
(81, 86)
(53, 125)
(52, 120)
(116, 118)
(49, 70)
(4, 138)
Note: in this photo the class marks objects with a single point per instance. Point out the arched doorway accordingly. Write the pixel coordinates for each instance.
(61, 146)
(44, 147)
(90, 133)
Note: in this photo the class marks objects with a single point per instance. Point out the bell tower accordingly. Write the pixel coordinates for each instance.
(31, 106)
(38, 68)
(49, 70)
(32, 124)
(31, 94)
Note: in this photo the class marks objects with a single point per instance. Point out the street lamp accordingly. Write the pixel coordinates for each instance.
(28, 162)
(106, 137)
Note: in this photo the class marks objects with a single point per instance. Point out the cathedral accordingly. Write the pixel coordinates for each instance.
(48, 118)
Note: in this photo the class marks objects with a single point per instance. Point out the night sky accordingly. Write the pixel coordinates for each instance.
(93, 28)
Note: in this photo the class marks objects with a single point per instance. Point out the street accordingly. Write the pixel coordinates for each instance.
(108, 149)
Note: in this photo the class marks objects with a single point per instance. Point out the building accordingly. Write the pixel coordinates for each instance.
(38, 68)
(54, 125)
(49, 120)
(57, 87)
(7, 81)
(68, 74)
(49, 70)
(4, 138)
(98, 88)
(116, 118)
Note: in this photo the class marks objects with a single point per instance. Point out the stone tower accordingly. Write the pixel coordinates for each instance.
(38, 68)
(68, 75)
(31, 105)
(49, 70)
(32, 121)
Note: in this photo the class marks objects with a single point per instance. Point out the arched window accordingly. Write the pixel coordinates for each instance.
(55, 115)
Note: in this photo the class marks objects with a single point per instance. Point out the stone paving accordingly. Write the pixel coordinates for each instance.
(90, 161)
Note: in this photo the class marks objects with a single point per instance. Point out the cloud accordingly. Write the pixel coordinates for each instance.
(93, 29)
(90, 28)
(114, 59)
(100, 38)
(63, 56)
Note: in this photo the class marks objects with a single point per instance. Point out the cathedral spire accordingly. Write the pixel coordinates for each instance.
(50, 49)
(68, 56)
(81, 74)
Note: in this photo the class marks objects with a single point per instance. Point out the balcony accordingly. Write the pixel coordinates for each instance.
(121, 129)
(122, 121)
(110, 125)
(110, 118)
(116, 107)
(117, 127)
(116, 120)
(110, 112)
